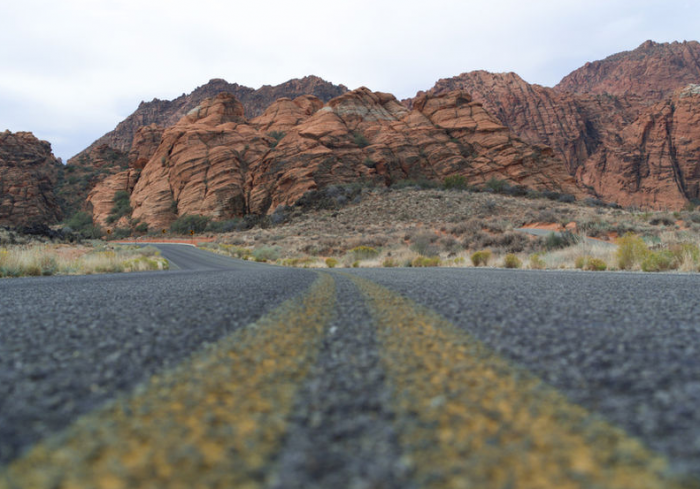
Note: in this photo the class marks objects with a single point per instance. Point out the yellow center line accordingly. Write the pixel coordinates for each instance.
(469, 419)
(216, 420)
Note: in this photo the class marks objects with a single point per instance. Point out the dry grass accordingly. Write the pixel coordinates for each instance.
(405, 224)
(50, 259)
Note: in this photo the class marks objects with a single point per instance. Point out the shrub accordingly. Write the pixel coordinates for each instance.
(189, 222)
(277, 136)
(331, 262)
(662, 220)
(81, 223)
(536, 262)
(596, 265)
(390, 263)
(659, 261)
(456, 182)
(422, 184)
(423, 244)
(369, 163)
(481, 258)
(360, 139)
(512, 261)
(496, 185)
(122, 206)
(631, 250)
(590, 263)
(356, 264)
(142, 228)
(564, 239)
(226, 226)
(685, 251)
(424, 261)
(364, 252)
(266, 253)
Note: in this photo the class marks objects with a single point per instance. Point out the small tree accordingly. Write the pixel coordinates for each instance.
(189, 222)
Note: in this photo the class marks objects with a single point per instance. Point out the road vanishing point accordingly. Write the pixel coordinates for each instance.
(223, 373)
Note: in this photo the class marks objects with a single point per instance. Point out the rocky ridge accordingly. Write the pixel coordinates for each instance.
(599, 134)
(217, 163)
(28, 173)
(166, 113)
(652, 71)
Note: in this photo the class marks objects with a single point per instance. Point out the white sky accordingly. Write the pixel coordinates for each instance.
(70, 70)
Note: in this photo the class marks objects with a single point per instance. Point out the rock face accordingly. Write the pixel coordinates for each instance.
(166, 113)
(653, 71)
(599, 133)
(656, 160)
(215, 162)
(28, 173)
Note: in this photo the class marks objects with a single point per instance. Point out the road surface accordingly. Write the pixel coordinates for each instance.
(225, 373)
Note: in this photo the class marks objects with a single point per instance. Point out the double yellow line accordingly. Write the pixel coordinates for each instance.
(469, 419)
(214, 421)
(466, 418)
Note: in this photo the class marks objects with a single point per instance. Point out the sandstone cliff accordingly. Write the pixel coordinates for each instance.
(595, 131)
(654, 161)
(215, 162)
(653, 71)
(28, 173)
(166, 113)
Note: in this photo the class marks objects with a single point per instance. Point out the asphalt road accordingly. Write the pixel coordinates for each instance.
(226, 373)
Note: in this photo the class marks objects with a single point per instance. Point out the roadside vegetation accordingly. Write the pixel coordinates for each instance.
(43, 259)
(423, 223)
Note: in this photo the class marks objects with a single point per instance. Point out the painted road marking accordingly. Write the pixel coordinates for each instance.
(216, 420)
(468, 418)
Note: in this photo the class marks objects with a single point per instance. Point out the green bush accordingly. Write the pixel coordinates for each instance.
(496, 185)
(555, 241)
(364, 252)
(360, 139)
(481, 258)
(121, 208)
(424, 261)
(189, 222)
(266, 253)
(659, 261)
(596, 265)
(277, 136)
(536, 262)
(81, 223)
(512, 261)
(331, 262)
(456, 182)
(356, 264)
(590, 263)
(142, 228)
(423, 244)
(631, 250)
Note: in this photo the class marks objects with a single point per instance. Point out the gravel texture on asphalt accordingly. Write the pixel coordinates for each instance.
(215, 420)
(625, 345)
(341, 433)
(68, 344)
(350, 387)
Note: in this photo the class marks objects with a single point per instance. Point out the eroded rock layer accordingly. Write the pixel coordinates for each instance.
(609, 121)
(28, 173)
(215, 162)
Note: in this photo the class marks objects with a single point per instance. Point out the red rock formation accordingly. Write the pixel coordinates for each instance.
(166, 113)
(652, 71)
(655, 162)
(213, 162)
(28, 172)
(596, 132)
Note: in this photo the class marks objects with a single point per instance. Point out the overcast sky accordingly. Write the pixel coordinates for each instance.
(70, 70)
